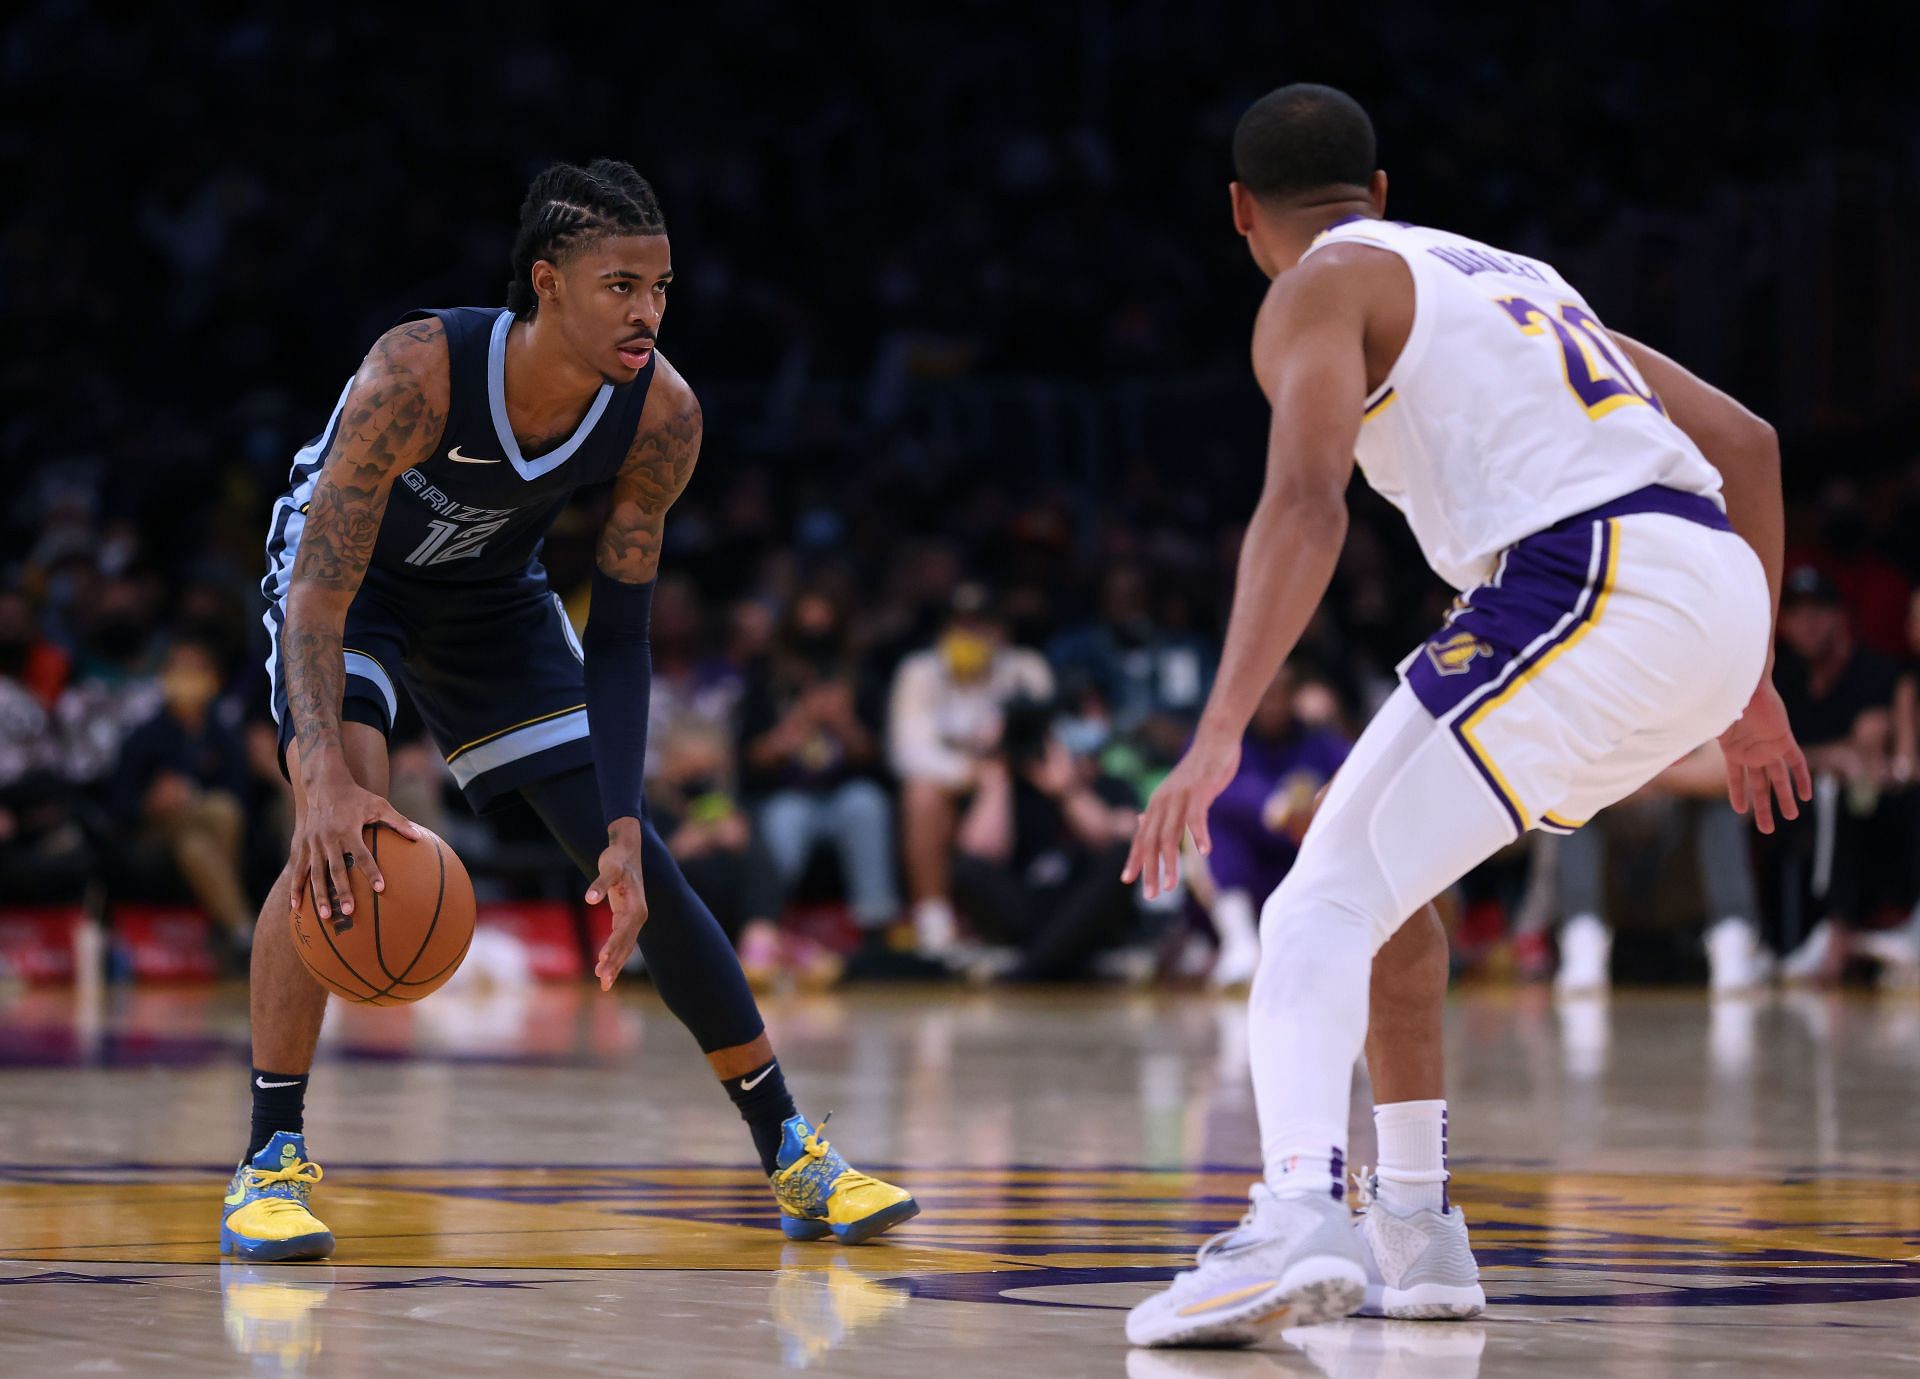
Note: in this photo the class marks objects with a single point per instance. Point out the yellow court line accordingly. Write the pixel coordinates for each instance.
(527, 723)
(1474, 719)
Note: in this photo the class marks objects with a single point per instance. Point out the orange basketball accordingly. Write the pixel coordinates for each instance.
(402, 943)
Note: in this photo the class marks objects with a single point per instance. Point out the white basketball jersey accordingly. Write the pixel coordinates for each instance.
(1510, 407)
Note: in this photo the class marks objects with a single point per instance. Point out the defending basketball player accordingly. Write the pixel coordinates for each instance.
(407, 551)
(1615, 528)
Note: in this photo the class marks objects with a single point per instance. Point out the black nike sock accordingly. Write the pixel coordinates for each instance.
(279, 1101)
(765, 1105)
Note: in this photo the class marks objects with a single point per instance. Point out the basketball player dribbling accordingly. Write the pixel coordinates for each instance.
(407, 551)
(1615, 527)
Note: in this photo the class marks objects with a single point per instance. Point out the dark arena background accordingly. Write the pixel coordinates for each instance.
(960, 295)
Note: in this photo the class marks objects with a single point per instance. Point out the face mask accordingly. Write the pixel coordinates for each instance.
(967, 655)
(119, 638)
(817, 647)
(1083, 736)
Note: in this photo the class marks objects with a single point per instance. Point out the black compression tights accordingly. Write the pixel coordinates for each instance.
(688, 956)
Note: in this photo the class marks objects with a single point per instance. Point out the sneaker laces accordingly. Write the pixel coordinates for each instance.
(818, 1148)
(1217, 1242)
(300, 1175)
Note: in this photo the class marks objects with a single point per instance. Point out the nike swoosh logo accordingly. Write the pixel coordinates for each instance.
(455, 455)
(1227, 1299)
(262, 1082)
(748, 1084)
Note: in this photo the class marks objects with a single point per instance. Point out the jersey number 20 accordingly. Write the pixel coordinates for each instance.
(1597, 375)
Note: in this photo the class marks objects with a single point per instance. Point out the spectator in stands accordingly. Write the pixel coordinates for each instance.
(1040, 852)
(180, 780)
(1259, 819)
(943, 724)
(36, 664)
(1903, 771)
(114, 688)
(1688, 797)
(810, 752)
(694, 805)
(43, 849)
(1839, 697)
(1155, 675)
(692, 688)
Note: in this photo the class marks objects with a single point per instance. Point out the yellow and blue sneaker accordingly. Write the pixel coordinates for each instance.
(265, 1215)
(820, 1196)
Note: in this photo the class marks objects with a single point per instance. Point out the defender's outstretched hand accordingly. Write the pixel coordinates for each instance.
(1180, 806)
(619, 883)
(1764, 763)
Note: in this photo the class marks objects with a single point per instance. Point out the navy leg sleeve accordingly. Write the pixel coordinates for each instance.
(692, 965)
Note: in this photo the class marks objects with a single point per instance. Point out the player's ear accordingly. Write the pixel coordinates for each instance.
(546, 280)
(1242, 208)
(1377, 191)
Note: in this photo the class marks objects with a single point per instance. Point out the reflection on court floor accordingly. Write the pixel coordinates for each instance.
(1654, 1184)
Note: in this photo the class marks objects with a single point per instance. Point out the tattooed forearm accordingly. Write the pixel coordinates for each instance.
(655, 474)
(395, 413)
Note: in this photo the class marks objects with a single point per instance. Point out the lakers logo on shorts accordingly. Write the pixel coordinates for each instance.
(1453, 655)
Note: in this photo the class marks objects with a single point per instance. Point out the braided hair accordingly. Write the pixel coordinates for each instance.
(567, 206)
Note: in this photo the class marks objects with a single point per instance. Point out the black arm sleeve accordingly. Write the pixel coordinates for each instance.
(619, 681)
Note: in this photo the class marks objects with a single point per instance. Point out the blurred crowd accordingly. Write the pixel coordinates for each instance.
(930, 769)
(944, 598)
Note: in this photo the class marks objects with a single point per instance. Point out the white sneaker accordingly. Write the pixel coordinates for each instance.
(1735, 960)
(1235, 966)
(1294, 1261)
(1239, 929)
(1898, 953)
(1419, 1264)
(1813, 960)
(1586, 957)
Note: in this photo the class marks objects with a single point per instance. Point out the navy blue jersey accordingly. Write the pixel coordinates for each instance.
(476, 509)
(455, 608)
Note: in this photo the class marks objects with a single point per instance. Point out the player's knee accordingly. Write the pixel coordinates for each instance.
(1306, 904)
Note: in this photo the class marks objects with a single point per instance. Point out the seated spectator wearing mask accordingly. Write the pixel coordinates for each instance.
(810, 751)
(1687, 797)
(693, 805)
(943, 725)
(1040, 851)
(1839, 698)
(1259, 819)
(181, 776)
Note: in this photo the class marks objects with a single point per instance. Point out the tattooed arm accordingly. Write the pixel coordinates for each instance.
(395, 412)
(657, 468)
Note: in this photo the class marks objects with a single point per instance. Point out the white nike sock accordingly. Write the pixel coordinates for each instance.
(1413, 1154)
(1308, 1021)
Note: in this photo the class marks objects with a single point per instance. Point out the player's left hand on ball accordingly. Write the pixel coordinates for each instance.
(1179, 807)
(619, 883)
(1764, 763)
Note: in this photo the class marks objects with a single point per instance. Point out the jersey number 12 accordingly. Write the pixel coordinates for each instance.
(449, 541)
